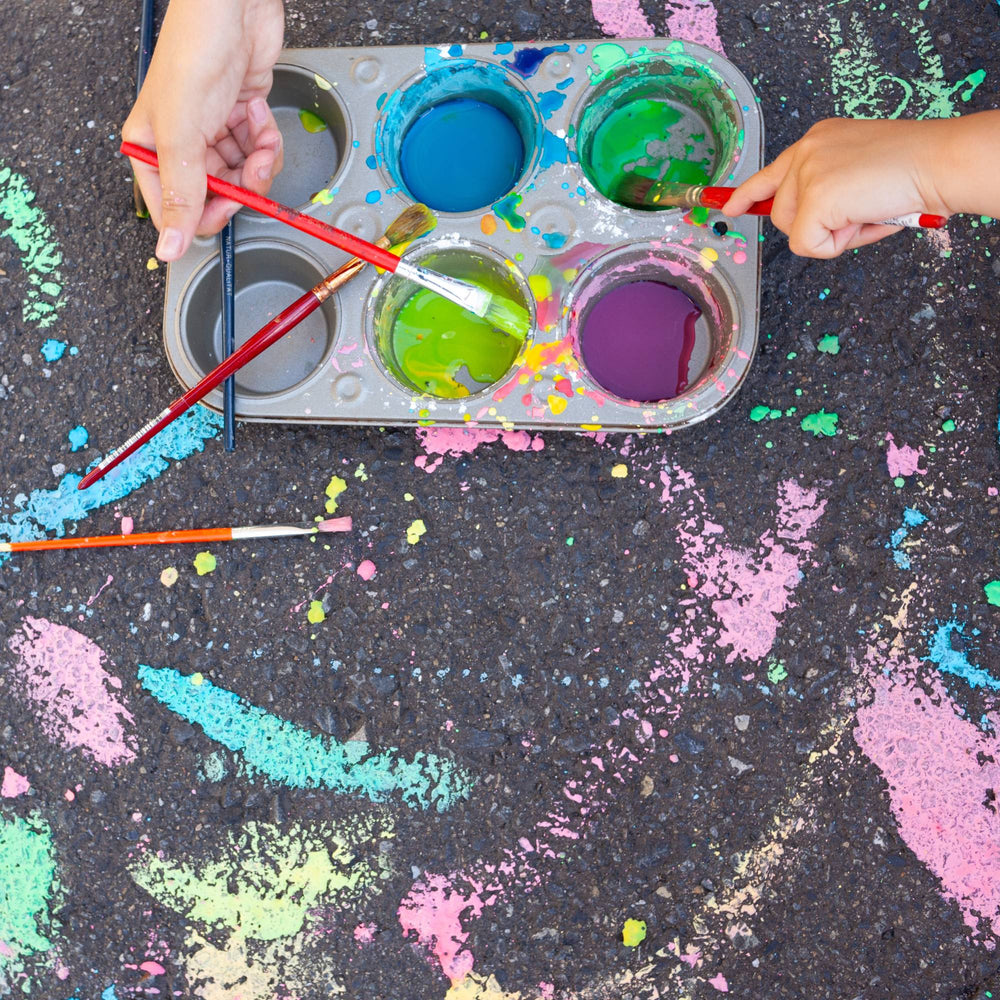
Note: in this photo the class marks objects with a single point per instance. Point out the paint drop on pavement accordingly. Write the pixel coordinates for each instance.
(633, 933)
(204, 562)
(416, 531)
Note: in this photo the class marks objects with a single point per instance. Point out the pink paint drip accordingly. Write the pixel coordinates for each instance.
(457, 441)
(62, 675)
(903, 460)
(938, 767)
(14, 784)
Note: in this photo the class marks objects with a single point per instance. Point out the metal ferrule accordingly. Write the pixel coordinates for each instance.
(476, 300)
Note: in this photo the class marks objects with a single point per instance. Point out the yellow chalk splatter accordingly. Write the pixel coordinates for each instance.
(557, 403)
(407, 497)
(359, 473)
(152, 264)
(336, 487)
(416, 531)
(316, 614)
(634, 933)
(619, 471)
(197, 679)
(204, 562)
(709, 253)
(169, 576)
(541, 287)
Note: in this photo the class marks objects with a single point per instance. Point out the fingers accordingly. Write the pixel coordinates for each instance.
(264, 134)
(762, 185)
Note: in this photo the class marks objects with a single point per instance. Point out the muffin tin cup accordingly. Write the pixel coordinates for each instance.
(555, 240)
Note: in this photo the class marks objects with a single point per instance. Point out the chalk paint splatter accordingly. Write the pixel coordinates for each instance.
(457, 441)
(62, 675)
(14, 784)
(293, 756)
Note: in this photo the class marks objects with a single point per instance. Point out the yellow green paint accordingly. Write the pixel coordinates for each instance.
(204, 562)
(633, 933)
(311, 122)
(416, 531)
(316, 614)
(334, 488)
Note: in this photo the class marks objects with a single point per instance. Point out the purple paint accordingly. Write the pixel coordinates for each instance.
(636, 340)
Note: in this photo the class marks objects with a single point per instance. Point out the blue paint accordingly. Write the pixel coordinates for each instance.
(554, 150)
(286, 753)
(563, 84)
(955, 661)
(527, 60)
(381, 100)
(461, 155)
(373, 197)
(911, 519)
(555, 240)
(550, 101)
(53, 350)
(46, 512)
(78, 438)
(371, 163)
(536, 230)
(505, 48)
(432, 57)
(109, 993)
(581, 49)
(456, 50)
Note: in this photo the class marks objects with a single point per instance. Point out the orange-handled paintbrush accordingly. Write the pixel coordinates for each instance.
(330, 525)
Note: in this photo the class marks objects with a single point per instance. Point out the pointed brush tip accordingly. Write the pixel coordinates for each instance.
(334, 524)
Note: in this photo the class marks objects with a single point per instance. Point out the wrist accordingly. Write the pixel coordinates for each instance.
(959, 163)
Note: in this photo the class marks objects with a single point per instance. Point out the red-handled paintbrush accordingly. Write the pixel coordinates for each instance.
(502, 312)
(411, 224)
(330, 525)
(642, 192)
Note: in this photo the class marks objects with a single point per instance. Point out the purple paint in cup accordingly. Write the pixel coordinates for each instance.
(637, 339)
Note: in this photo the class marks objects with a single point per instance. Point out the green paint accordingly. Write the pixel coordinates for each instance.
(506, 209)
(830, 344)
(204, 562)
(607, 55)
(699, 215)
(27, 883)
(992, 590)
(25, 225)
(899, 482)
(821, 423)
(948, 426)
(759, 413)
(262, 880)
(446, 351)
(311, 122)
(776, 672)
(863, 87)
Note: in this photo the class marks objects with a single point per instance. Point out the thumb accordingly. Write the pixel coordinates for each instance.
(182, 184)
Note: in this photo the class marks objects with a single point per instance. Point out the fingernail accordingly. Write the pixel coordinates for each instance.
(169, 246)
(264, 172)
(258, 110)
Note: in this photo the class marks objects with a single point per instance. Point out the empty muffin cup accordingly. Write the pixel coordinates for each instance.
(658, 118)
(316, 133)
(651, 323)
(429, 345)
(270, 276)
(459, 137)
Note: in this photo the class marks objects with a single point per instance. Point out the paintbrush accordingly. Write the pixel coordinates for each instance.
(644, 192)
(500, 311)
(408, 226)
(329, 526)
(227, 264)
(145, 54)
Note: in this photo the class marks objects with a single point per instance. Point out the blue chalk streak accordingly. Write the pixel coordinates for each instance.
(293, 756)
(78, 438)
(53, 350)
(954, 661)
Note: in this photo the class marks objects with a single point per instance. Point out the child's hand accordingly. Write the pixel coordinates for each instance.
(833, 186)
(203, 108)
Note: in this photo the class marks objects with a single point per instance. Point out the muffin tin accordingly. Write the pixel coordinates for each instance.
(556, 242)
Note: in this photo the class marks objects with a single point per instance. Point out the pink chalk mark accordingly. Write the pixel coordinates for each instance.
(61, 674)
(365, 933)
(153, 968)
(457, 441)
(107, 583)
(433, 909)
(903, 460)
(937, 766)
(622, 18)
(694, 21)
(366, 569)
(719, 982)
(128, 525)
(14, 784)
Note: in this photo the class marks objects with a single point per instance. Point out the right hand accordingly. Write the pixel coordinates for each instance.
(203, 108)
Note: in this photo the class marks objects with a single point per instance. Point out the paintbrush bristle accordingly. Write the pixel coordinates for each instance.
(644, 192)
(333, 524)
(507, 315)
(416, 221)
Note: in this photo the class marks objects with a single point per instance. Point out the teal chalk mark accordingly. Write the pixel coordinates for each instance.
(27, 881)
(955, 661)
(912, 518)
(293, 756)
(109, 993)
(78, 438)
(25, 225)
(53, 350)
(52, 511)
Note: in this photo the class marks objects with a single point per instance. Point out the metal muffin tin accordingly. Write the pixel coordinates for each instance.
(574, 242)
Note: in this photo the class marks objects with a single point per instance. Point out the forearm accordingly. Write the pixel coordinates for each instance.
(959, 164)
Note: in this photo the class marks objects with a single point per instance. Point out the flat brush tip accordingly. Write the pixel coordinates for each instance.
(334, 524)
(507, 315)
(416, 221)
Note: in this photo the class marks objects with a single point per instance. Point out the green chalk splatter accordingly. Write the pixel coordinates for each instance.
(821, 423)
(633, 933)
(27, 883)
(41, 257)
(759, 413)
(776, 672)
(204, 562)
(262, 880)
(830, 344)
(992, 590)
(948, 426)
